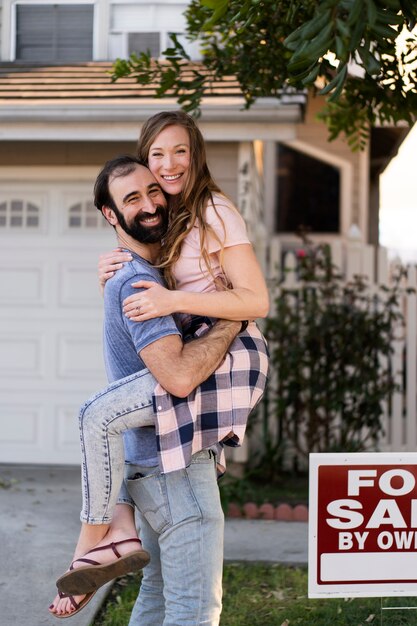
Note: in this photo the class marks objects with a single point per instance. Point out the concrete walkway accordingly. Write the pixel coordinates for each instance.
(39, 524)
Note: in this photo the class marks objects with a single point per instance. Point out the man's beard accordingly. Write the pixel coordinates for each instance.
(141, 232)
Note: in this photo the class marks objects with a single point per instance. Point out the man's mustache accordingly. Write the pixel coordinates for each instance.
(159, 210)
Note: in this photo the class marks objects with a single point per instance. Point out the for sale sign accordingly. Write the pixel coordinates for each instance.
(363, 525)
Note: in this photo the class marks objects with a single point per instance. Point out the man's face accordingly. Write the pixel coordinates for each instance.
(141, 206)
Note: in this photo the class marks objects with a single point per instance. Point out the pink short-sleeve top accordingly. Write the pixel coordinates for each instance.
(190, 270)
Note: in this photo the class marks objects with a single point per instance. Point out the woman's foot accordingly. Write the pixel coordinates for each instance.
(124, 546)
(91, 571)
(64, 606)
(122, 527)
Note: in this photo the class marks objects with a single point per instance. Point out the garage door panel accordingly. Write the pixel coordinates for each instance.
(40, 437)
(78, 286)
(22, 355)
(62, 353)
(56, 284)
(79, 355)
(42, 432)
(26, 387)
(22, 424)
(23, 283)
(66, 433)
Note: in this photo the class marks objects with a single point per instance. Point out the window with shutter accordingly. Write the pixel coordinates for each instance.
(54, 32)
(142, 42)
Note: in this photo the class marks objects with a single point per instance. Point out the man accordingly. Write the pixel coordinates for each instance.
(180, 515)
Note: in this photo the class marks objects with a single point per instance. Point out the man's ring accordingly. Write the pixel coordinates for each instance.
(138, 309)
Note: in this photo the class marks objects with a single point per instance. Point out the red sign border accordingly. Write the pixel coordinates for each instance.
(369, 588)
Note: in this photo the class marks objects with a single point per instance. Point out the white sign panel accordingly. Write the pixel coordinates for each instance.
(363, 525)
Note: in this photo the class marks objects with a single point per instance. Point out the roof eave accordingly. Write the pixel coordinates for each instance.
(60, 118)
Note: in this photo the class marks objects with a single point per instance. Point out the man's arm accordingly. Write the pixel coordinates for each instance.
(179, 367)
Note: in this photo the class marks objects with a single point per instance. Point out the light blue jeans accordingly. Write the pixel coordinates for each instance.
(125, 404)
(182, 527)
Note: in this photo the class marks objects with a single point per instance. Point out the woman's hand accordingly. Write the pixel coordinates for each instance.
(109, 263)
(153, 301)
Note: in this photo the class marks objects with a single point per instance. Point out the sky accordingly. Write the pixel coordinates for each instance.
(398, 202)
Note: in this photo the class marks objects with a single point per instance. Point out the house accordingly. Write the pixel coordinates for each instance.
(60, 119)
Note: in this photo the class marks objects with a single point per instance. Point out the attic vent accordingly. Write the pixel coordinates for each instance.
(18, 214)
(142, 42)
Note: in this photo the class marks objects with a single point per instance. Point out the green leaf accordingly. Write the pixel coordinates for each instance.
(167, 81)
(308, 30)
(343, 28)
(388, 17)
(213, 4)
(371, 12)
(342, 50)
(220, 11)
(370, 63)
(385, 31)
(315, 25)
(392, 4)
(312, 75)
(357, 35)
(337, 92)
(338, 79)
(310, 51)
(293, 38)
(355, 12)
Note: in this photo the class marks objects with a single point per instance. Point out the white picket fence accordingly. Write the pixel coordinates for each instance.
(352, 257)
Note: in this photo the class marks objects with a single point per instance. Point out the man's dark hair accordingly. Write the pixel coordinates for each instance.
(122, 165)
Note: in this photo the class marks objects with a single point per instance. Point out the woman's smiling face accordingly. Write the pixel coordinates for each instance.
(169, 159)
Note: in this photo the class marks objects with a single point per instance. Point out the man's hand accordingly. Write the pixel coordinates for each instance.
(179, 367)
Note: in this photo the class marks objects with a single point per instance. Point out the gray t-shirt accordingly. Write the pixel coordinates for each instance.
(124, 339)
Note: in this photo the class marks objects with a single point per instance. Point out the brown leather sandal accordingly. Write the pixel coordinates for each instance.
(77, 605)
(94, 575)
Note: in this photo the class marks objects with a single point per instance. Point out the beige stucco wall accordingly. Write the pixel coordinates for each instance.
(223, 162)
(222, 157)
(60, 153)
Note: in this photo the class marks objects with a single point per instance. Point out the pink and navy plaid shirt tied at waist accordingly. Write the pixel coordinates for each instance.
(218, 410)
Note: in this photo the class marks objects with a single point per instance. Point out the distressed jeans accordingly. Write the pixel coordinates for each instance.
(125, 404)
(182, 527)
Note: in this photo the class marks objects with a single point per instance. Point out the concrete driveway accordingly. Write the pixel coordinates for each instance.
(39, 524)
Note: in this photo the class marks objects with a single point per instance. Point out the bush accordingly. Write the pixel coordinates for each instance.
(330, 344)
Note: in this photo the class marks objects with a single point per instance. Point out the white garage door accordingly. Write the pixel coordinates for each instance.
(51, 316)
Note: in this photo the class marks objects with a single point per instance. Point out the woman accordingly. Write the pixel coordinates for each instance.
(207, 255)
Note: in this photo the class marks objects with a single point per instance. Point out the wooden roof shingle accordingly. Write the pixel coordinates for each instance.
(84, 82)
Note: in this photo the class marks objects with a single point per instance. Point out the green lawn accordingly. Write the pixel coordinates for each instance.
(259, 595)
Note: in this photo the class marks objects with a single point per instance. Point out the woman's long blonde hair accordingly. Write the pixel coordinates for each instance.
(197, 192)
